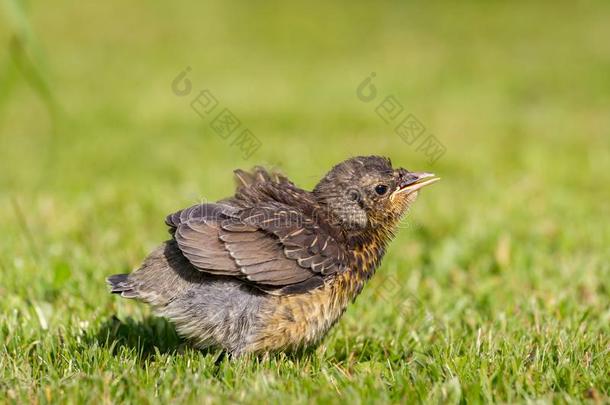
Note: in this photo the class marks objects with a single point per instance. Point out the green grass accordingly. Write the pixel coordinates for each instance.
(498, 287)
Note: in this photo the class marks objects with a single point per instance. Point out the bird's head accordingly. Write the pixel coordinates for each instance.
(366, 192)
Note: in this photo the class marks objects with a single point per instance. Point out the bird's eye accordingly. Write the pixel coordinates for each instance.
(381, 189)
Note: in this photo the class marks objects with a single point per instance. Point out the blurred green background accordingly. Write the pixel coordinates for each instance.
(509, 252)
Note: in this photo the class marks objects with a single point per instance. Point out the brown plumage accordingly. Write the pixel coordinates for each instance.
(274, 266)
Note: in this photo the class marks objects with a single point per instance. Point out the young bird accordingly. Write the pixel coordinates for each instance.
(274, 267)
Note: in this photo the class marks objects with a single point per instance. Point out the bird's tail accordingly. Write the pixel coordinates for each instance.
(121, 284)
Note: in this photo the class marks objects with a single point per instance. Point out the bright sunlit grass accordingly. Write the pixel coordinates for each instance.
(496, 289)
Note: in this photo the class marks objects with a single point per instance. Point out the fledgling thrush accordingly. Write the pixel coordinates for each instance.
(274, 267)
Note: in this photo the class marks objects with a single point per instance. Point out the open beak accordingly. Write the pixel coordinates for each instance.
(412, 182)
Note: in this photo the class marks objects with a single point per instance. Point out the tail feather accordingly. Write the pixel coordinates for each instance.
(121, 284)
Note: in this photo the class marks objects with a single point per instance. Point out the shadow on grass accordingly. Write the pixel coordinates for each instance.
(155, 336)
(148, 338)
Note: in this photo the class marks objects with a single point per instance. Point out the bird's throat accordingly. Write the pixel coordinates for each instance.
(367, 249)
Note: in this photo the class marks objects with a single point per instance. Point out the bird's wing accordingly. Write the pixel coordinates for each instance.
(200, 212)
(271, 245)
(258, 175)
(260, 185)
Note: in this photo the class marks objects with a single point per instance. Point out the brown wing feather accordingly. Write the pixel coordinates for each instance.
(302, 239)
(272, 246)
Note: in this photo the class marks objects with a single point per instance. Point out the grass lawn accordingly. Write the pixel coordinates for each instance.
(497, 287)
